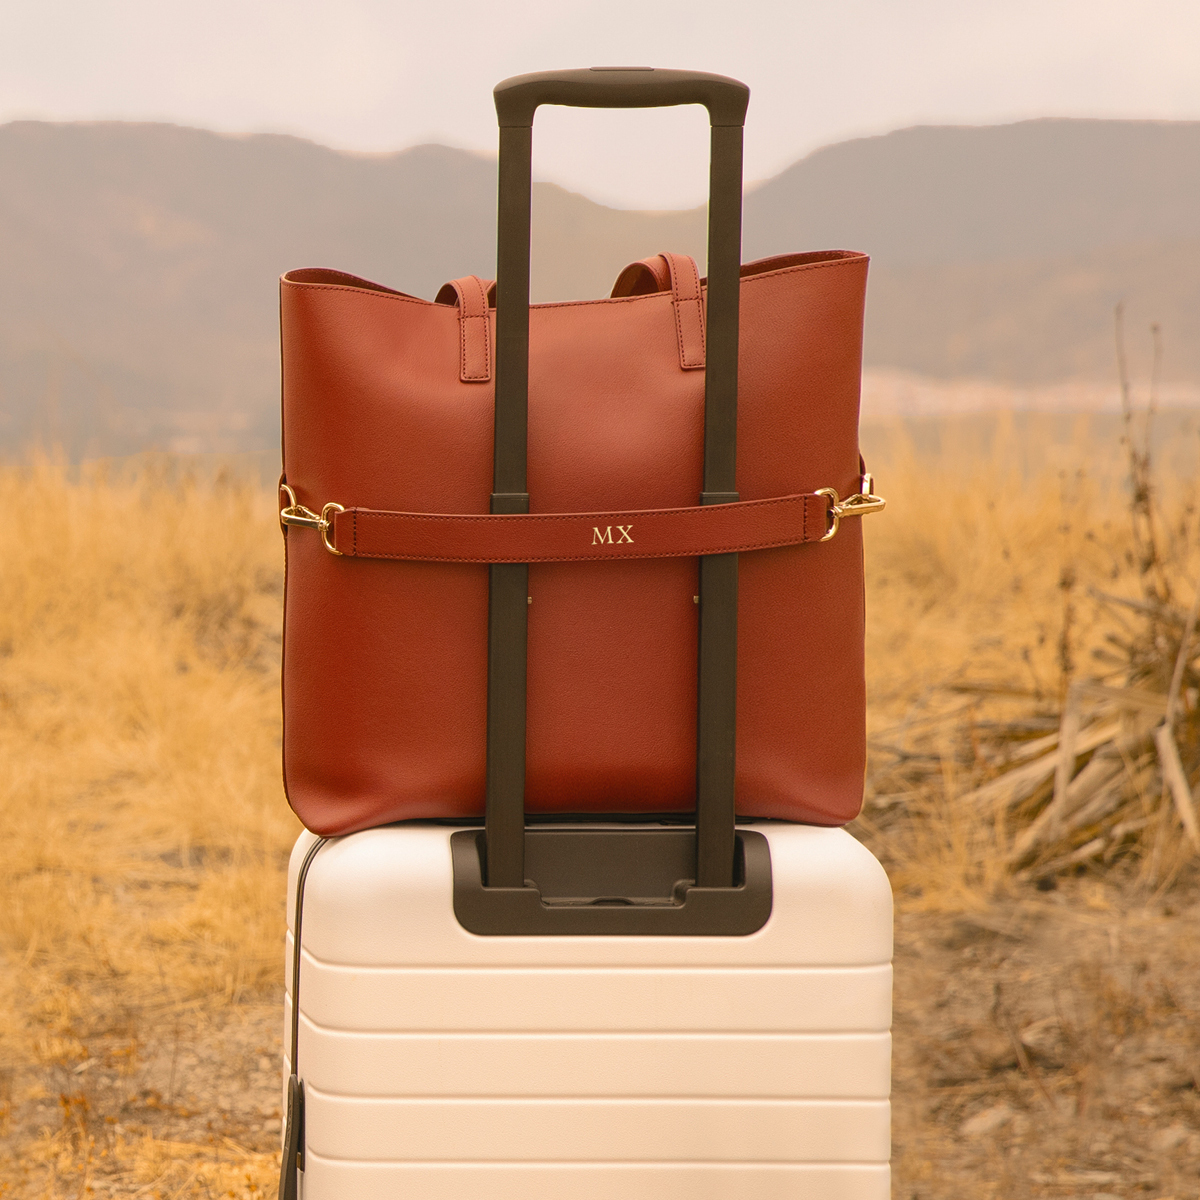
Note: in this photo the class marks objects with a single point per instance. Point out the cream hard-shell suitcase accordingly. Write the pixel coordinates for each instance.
(438, 1063)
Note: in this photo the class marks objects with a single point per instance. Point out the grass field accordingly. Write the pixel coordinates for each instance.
(1048, 1041)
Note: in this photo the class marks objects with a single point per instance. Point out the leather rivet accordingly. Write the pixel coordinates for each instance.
(528, 599)
(695, 599)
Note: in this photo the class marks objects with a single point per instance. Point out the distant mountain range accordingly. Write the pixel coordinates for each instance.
(138, 303)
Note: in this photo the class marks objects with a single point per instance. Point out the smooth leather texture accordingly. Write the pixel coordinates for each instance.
(676, 273)
(385, 662)
(475, 339)
(643, 277)
(688, 302)
(582, 537)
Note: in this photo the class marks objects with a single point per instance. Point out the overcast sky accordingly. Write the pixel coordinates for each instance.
(380, 75)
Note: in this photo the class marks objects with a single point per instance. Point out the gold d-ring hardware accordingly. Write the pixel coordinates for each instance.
(327, 524)
(861, 504)
(297, 514)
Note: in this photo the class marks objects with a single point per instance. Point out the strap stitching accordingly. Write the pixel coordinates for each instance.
(607, 556)
(800, 499)
(675, 306)
(484, 373)
(502, 518)
(674, 263)
(700, 308)
(462, 332)
(487, 329)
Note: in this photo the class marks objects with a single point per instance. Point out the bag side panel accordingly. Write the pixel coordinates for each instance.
(801, 737)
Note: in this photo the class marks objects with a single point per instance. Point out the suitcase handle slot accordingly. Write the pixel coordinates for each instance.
(647, 864)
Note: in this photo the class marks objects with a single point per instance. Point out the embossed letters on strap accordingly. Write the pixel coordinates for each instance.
(569, 537)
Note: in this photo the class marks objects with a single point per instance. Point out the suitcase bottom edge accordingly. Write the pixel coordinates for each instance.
(329, 1179)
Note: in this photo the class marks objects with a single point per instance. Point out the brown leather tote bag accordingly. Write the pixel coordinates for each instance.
(631, 543)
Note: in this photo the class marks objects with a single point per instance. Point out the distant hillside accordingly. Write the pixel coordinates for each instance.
(138, 304)
(1000, 251)
(955, 194)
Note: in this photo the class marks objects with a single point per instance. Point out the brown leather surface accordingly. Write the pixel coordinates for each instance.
(470, 294)
(385, 662)
(643, 277)
(582, 537)
(677, 274)
(689, 309)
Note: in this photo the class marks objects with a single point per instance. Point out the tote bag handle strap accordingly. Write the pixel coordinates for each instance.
(472, 296)
(679, 275)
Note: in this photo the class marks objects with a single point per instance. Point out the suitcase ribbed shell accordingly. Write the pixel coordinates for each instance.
(448, 1066)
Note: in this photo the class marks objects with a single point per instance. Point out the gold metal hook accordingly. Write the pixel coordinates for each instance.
(305, 518)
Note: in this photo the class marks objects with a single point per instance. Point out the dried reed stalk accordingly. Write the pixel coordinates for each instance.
(1095, 780)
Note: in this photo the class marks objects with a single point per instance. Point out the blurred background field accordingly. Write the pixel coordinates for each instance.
(1047, 986)
(144, 833)
(1014, 171)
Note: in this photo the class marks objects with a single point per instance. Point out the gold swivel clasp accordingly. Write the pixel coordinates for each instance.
(861, 504)
(297, 514)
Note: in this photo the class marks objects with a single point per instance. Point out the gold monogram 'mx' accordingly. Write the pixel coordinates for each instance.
(605, 537)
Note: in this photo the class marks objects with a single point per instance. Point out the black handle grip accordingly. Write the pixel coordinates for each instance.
(621, 87)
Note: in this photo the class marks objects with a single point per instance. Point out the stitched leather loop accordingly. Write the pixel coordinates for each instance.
(574, 537)
(471, 294)
(689, 309)
(643, 278)
(678, 274)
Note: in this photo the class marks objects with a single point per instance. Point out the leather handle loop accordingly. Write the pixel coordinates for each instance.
(689, 309)
(472, 295)
(643, 278)
(678, 274)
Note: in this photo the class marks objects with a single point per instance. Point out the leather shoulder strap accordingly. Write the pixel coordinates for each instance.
(472, 295)
(678, 274)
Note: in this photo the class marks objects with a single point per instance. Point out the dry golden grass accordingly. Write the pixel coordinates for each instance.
(1046, 1040)
(144, 834)
(981, 611)
(144, 829)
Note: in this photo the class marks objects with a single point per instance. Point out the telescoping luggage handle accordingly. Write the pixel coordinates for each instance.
(719, 856)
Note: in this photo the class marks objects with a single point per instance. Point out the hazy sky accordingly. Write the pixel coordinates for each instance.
(377, 75)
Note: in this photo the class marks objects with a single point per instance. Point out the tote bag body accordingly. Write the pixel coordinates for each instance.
(385, 662)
